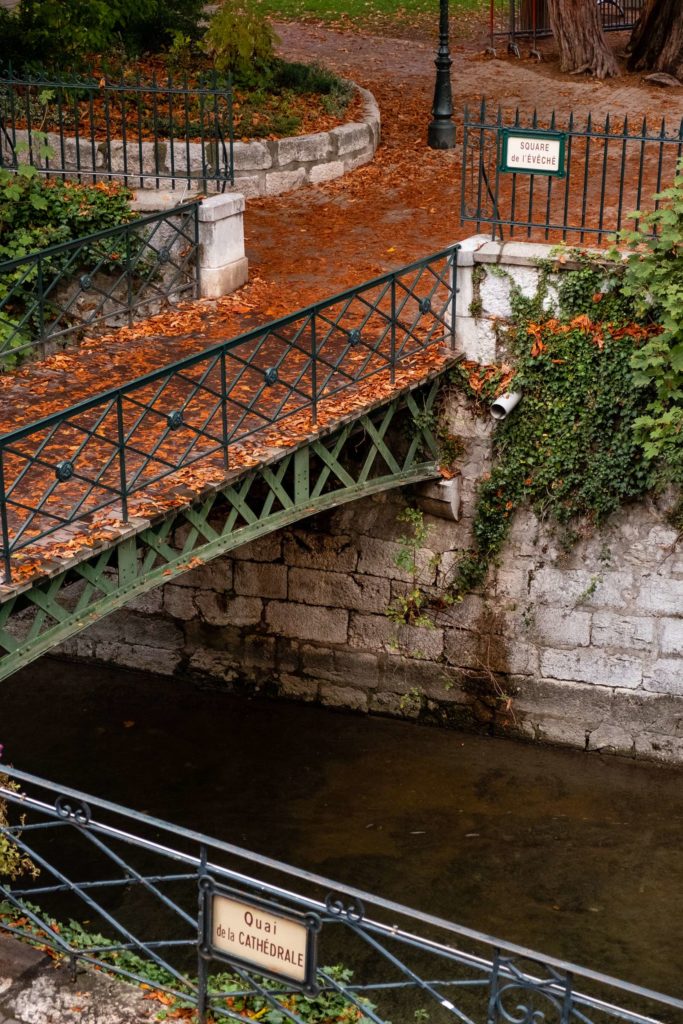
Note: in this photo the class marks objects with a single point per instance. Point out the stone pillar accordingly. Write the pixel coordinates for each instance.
(474, 339)
(222, 263)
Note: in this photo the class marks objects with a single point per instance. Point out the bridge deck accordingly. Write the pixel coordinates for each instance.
(96, 469)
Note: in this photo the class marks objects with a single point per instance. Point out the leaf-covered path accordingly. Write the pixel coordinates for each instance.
(308, 245)
(406, 202)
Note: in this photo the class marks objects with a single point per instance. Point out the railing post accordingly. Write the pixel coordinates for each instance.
(392, 342)
(224, 411)
(232, 133)
(202, 966)
(197, 261)
(122, 457)
(129, 278)
(314, 371)
(3, 521)
(454, 292)
(41, 303)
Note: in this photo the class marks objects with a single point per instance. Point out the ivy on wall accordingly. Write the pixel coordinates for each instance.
(570, 451)
(601, 421)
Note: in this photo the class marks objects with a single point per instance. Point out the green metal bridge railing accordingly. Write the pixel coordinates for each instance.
(204, 409)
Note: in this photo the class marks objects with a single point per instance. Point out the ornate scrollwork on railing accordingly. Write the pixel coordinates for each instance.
(516, 997)
(339, 904)
(76, 811)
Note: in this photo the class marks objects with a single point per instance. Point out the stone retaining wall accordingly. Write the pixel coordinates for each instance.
(269, 168)
(583, 648)
(261, 168)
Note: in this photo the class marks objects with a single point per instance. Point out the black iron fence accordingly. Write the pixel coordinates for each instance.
(610, 168)
(210, 407)
(145, 134)
(195, 918)
(528, 19)
(106, 278)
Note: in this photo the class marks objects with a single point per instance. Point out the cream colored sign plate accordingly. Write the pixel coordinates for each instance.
(259, 937)
(543, 155)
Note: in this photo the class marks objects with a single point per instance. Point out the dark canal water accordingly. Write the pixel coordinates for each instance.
(575, 855)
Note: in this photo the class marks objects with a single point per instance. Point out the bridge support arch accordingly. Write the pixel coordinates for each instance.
(390, 445)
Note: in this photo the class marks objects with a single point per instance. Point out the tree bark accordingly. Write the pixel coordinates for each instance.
(577, 28)
(657, 40)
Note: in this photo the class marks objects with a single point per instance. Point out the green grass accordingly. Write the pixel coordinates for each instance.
(369, 10)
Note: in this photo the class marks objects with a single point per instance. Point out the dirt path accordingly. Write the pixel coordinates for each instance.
(406, 203)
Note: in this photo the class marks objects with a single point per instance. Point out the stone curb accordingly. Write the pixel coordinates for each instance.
(261, 168)
(271, 168)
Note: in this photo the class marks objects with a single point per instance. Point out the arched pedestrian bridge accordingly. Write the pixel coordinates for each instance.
(109, 498)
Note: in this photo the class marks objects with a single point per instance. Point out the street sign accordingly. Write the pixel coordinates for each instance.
(531, 151)
(260, 936)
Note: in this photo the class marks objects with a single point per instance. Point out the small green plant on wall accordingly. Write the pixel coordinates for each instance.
(412, 608)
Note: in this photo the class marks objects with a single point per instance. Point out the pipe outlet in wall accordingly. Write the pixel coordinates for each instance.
(504, 404)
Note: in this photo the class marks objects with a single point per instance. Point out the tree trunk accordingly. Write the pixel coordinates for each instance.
(577, 28)
(657, 40)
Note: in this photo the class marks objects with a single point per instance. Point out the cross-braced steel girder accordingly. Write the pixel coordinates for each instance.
(388, 446)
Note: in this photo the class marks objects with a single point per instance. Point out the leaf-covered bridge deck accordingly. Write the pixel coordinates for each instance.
(96, 468)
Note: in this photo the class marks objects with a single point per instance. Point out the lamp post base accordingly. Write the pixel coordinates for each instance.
(441, 135)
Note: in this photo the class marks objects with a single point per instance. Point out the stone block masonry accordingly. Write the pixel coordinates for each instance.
(565, 648)
(582, 648)
(271, 168)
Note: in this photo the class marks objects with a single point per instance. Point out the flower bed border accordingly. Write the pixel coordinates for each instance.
(261, 168)
(271, 168)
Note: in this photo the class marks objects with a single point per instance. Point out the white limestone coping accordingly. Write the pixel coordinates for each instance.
(481, 308)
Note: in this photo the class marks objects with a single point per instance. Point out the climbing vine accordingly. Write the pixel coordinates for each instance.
(571, 452)
(602, 379)
(653, 283)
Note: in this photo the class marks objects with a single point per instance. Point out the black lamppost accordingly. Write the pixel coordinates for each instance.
(441, 131)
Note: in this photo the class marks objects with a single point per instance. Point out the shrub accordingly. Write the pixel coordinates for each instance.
(34, 214)
(653, 281)
(13, 861)
(48, 34)
(240, 42)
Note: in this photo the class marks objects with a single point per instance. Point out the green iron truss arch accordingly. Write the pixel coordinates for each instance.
(390, 445)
